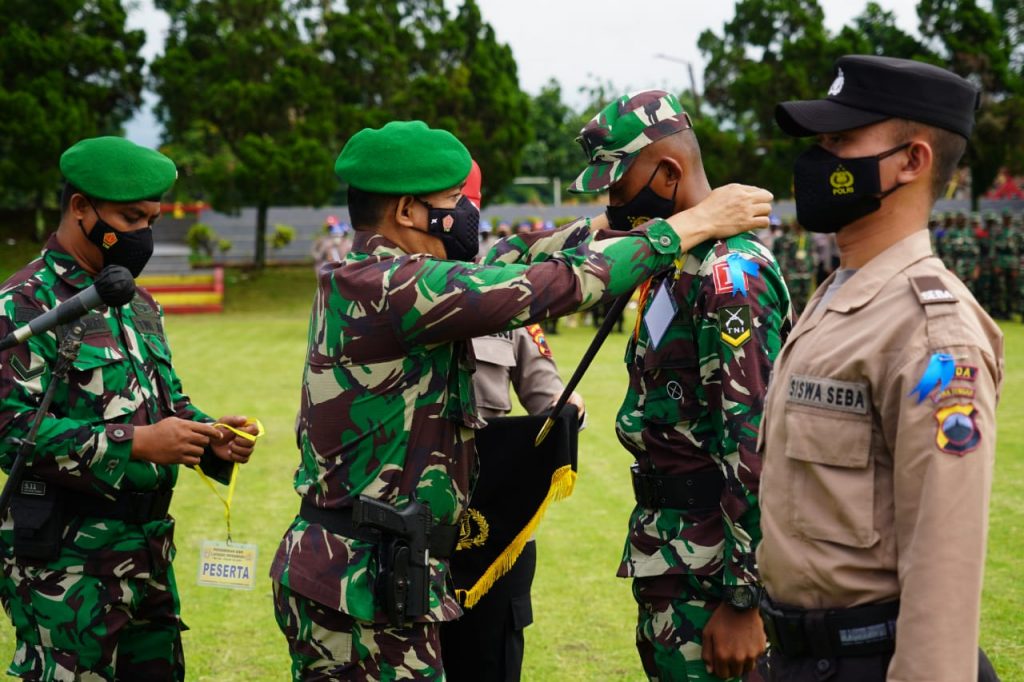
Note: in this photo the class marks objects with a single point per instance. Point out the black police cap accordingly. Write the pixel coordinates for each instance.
(869, 89)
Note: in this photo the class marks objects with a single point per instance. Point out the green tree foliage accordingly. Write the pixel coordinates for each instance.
(778, 50)
(553, 151)
(978, 44)
(771, 51)
(875, 32)
(411, 59)
(246, 105)
(69, 69)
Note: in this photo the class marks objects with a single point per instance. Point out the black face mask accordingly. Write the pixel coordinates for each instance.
(646, 204)
(131, 250)
(831, 192)
(458, 229)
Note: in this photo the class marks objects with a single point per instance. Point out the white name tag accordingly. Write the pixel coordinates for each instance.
(845, 396)
(660, 314)
(232, 566)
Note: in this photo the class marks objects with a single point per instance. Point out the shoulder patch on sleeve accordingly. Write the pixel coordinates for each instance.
(957, 429)
(537, 334)
(723, 282)
(734, 324)
(930, 289)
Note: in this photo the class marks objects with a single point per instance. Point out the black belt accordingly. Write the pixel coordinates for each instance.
(130, 507)
(831, 633)
(702, 490)
(339, 521)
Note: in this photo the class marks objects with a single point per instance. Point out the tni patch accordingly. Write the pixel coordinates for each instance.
(957, 429)
(734, 324)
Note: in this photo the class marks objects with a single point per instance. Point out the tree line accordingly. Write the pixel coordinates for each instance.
(257, 97)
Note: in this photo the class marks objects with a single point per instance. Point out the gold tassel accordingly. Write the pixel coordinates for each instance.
(563, 480)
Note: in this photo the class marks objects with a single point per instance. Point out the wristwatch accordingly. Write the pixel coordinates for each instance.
(742, 597)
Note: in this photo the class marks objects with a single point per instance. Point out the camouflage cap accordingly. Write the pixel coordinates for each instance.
(614, 137)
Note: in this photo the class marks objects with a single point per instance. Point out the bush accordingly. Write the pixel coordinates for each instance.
(201, 238)
(283, 236)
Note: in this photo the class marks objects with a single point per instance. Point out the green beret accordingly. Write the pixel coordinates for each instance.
(403, 157)
(116, 169)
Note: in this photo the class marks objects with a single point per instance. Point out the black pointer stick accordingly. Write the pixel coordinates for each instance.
(581, 369)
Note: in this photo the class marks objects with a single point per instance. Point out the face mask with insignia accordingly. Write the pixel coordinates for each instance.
(645, 205)
(131, 249)
(458, 228)
(831, 191)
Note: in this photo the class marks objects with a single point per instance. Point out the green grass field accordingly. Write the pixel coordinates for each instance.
(249, 360)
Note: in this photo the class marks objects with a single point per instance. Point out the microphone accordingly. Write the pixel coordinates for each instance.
(114, 286)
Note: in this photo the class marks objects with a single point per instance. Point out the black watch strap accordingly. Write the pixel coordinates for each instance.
(742, 597)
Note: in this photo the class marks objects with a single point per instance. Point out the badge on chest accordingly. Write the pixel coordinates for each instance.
(830, 394)
(660, 313)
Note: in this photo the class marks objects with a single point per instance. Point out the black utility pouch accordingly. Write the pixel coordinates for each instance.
(37, 521)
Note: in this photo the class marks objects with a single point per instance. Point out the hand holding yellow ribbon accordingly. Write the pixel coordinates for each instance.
(260, 431)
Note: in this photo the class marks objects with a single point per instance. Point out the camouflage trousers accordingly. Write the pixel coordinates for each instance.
(800, 291)
(325, 644)
(1004, 294)
(672, 611)
(73, 627)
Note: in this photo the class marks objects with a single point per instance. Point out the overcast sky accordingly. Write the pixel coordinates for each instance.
(577, 41)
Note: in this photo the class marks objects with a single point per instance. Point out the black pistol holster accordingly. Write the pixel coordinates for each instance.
(403, 555)
(38, 520)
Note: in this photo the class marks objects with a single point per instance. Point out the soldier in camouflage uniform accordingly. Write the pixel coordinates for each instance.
(983, 237)
(698, 365)
(97, 599)
(962, 252)
(387, 407)
(1006, 254)
(942, 237)
(796, 259)
(934, 232)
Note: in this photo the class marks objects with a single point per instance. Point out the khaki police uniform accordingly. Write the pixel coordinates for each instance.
(520, 358)
(868, 494)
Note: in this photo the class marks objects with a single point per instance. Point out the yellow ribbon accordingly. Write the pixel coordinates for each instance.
(234, 469)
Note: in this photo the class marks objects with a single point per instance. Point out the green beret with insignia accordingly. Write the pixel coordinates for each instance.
(116, 169)
(403, 157)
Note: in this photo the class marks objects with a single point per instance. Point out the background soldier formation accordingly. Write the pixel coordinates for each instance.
(984, 250)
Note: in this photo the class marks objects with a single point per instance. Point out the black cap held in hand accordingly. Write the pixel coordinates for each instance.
(868, 89)
(115, 285)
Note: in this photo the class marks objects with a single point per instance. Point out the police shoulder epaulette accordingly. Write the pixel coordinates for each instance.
(931, 290)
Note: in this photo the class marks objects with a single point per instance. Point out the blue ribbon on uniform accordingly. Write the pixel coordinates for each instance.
(738, 267)
(939, 371)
